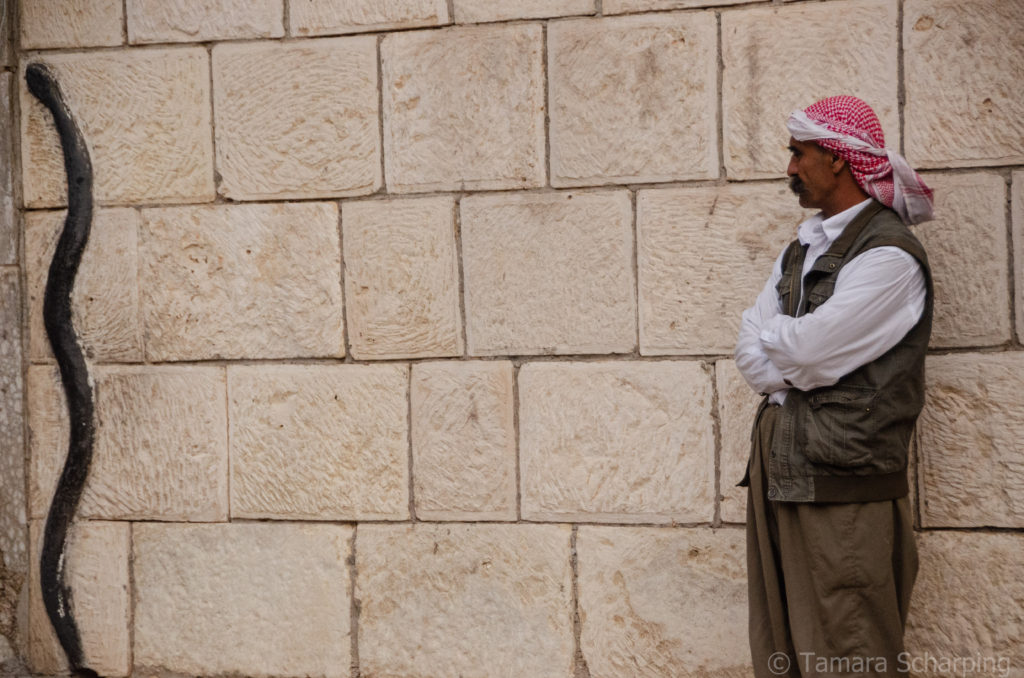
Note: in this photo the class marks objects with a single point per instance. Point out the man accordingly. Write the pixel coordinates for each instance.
(836, 342)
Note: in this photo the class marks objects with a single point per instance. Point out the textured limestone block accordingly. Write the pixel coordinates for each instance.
(326, 442)
(737, 406)
(12, 439)
(298, 119)
(70, 23)
(548, 273)
(7, 58)
(964, 63)
(704, 254)
(633, 99)
(1017, 200)
(10, 660)
(464, 108)
(464, 600)
(325, 17)
(463, 441)
(234, 281)
(478, 11)
(624, 6)
(252, 599)
(966, 604)
(402, 278)
(14, 616)
(105, 299)
(616, 441)
(967, 251)
(97, 573)
(8, 217)
(190, 21)
(161, 443)
(970, 441)
(145, 115)
(777, 59)
(663, 602)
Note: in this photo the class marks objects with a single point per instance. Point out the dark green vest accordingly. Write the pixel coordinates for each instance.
(849, 442)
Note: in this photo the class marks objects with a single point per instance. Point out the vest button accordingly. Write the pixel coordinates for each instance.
(772, 492)
(772, 454)
(831, 266)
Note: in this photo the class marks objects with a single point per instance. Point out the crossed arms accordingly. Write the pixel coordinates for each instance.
(879, 296)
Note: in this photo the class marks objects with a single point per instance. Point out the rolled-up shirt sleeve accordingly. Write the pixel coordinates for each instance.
(879, 296)
(751, 361)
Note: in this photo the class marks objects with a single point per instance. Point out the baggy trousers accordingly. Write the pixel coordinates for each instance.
(829, 584)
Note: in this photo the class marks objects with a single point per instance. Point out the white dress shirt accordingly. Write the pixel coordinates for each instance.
(879, 296)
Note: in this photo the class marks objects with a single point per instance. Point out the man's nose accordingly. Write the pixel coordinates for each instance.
(791, 170)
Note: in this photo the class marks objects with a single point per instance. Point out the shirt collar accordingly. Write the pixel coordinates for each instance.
(817, 230)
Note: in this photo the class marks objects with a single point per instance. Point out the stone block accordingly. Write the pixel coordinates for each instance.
(105, 298)
(464, 108)
(145, 115)
(479, 11)
(10, 660)
(8, 57)
(8, 216)
(549, 273)
(1017, 201)
(966, 605)
(13, 555)
(251, 599)
(628, 6)
(967, 252)
(297, 119)
(97, 574)
(326, 17)
(628, 442)
(464, 600)
(963, 67)
(777, 59)
(234, 281)
(161, 443)
(663, 602)
(190, 21)
(463, 441)
(969, 441)
(322, 442)
(48, 24)
(402, 278)
(737, 406)
(704, 254)
(633, 99)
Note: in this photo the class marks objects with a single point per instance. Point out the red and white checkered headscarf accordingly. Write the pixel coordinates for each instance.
(848, 127)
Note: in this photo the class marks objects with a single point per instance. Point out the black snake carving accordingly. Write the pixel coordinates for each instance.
(73, 371)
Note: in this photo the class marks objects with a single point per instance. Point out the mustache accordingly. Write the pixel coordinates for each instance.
(796, 185)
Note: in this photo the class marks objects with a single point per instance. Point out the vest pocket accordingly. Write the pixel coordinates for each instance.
(820, 292)
(817, 299)
(838, 426)
(784, 288)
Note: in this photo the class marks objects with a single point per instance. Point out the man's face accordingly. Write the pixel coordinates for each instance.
(811, 174)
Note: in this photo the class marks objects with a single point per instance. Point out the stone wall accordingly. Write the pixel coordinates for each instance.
(13, 454)
(411, 323)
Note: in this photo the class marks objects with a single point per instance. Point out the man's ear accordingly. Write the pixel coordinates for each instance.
(837, 164)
